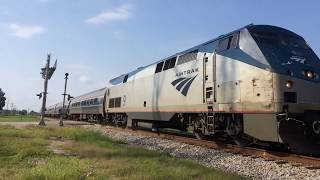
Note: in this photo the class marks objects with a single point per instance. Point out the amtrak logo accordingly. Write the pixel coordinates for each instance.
(183, 84)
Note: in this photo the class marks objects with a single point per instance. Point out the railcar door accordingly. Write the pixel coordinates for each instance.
(106, 103)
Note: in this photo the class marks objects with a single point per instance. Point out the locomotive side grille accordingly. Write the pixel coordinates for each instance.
(115, 102)
(188, 57)
(111, 103)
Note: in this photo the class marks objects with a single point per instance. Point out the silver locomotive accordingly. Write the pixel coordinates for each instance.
(259, 83)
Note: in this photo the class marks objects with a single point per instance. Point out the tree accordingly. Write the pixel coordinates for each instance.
(2, 100)
(23, 112)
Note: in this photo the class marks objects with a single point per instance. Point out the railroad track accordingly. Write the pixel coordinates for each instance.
(268, 155)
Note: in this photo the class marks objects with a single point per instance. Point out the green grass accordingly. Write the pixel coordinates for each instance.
(25, 154)
(18, 118)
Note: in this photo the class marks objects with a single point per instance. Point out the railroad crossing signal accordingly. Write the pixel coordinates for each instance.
(40, 95)
(70, 97)
(47, 71)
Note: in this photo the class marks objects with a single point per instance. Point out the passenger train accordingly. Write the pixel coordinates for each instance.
(259, 83)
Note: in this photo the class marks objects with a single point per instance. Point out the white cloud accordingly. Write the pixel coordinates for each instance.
(26, 31)
(118, 14)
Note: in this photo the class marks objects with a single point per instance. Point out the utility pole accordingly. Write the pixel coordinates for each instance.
(46, 72)
(64, 109)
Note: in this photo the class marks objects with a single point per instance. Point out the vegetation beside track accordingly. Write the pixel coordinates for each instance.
(19, 118)
(75, 153)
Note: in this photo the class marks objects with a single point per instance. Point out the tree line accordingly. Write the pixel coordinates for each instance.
(12, 111)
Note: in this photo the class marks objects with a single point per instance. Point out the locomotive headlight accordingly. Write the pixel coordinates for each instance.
(289, 84)
(310, 75)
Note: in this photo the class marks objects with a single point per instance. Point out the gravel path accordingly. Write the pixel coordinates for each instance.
(254, 168)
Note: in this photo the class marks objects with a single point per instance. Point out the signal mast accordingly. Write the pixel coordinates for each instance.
(46, 73)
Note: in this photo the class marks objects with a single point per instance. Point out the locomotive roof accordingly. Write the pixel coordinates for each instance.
(119, 79)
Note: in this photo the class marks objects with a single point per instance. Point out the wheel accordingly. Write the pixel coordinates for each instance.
(134, 124)
(198, 134)
(241, 140)
(198, 128)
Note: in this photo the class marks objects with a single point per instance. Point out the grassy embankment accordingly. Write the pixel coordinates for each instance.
(18, 118)
(29, 154)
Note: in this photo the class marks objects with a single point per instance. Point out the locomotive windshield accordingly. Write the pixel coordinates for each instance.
(285, 50)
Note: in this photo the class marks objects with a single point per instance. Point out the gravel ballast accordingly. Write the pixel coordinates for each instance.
(254, 168)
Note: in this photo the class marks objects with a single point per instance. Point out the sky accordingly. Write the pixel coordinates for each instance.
(97, 40)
